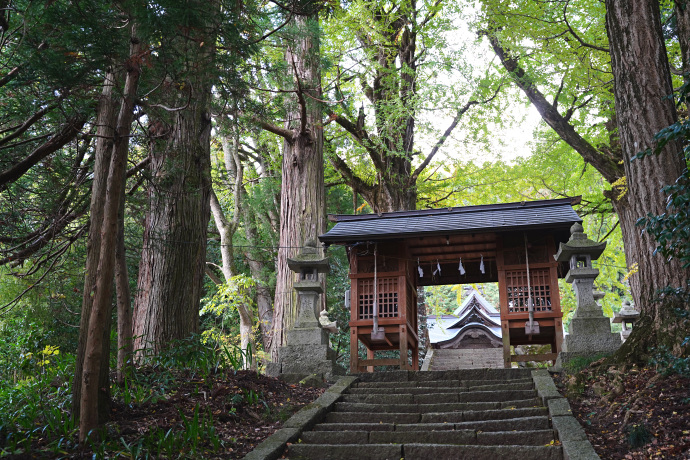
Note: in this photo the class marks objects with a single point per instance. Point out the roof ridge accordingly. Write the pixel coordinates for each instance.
(455, 209)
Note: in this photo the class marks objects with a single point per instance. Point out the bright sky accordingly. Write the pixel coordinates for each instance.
(520, 120)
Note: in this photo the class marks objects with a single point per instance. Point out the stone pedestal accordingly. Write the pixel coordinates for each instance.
(589, 331)
(307, 354)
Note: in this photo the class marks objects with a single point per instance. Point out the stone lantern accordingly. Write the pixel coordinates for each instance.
(590, 331)
(307, 354)
(626, 317)
(308, 264)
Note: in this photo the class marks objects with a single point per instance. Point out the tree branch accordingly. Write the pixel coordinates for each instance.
(603, 163)
(355, 182)
(286, 134)
(300, 98)
(363, 139)
(447, 133)
(577, 37)
(68, 132)
(26, 125)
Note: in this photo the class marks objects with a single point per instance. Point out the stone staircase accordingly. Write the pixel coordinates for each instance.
(444, 359)
(466, 414)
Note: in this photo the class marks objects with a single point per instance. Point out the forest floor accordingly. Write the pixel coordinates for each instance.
(631, 412)
(627, 413)
(246, 408)
(223, 416)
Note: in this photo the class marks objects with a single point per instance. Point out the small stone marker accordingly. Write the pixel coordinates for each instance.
(627, 317)
(307, 354)
(590, 330)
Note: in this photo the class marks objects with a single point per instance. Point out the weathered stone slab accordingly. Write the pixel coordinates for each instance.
(368, 417)
(423, 436)
(518, 424)
(579, 450)
(523, 438)
(355, 426)
(568, 429)
(345, 451)
(273, 446)
(559, 407)
(427, 451)
(335, 437)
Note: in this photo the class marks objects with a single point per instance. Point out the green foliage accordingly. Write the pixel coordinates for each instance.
(441, 299)
(35, 402)
(195, 438)
(638, 435)
(578, 363)
(223, 305)
(668, 364)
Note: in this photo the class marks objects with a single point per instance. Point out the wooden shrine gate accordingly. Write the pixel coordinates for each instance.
(392, 254)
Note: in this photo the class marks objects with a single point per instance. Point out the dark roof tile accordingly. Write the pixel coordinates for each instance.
(498, 218)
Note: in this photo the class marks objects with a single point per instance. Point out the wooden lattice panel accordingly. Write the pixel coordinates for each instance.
(387, 301)
(516, 286)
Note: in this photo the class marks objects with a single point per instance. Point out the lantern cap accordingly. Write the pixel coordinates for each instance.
(309, 258)
(579, 245)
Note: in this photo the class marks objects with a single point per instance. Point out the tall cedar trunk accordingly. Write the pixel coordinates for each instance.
(682, 8)
(125, 346)
(99, 325)
(104, 145)
(302, 198)
(642, 82)
(172, 264)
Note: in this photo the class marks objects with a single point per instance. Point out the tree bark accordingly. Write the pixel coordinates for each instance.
(174, 256)
(642, 84)
(96, 353)
(106, 121)
(682, 8)
(125, 346)
(391, 50)
(302, 199)
(227, 229)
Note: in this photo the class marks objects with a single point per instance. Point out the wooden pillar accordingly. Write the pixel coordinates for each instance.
(370, 355)
(354, 357)
(505, 332)
(403, 347)
(558, 324)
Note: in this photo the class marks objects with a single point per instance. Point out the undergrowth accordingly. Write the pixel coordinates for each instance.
(35, 404)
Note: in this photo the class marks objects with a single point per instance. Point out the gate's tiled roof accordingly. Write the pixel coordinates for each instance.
(545, 214)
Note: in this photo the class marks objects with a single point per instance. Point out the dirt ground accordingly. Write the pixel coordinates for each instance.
(631, 412)
(246, 409)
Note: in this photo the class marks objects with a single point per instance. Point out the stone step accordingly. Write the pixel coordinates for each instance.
(448, 394)
(458, 374)
(432, 398)
(420, 452)
(460, 437)
(472, 416)
(515, 424)
(437, 417)
(373, 405)
(465, 385)
(441, 451)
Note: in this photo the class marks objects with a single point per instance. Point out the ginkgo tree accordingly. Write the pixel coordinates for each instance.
(397, 74)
